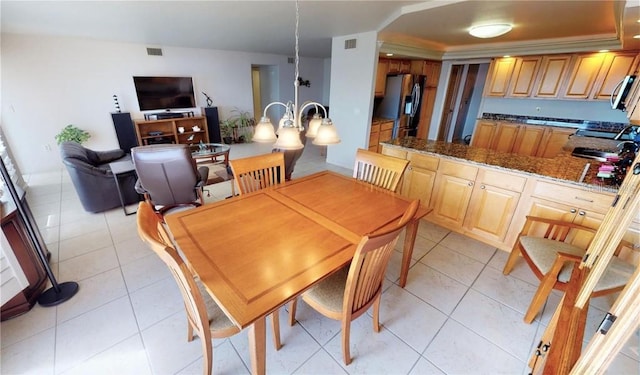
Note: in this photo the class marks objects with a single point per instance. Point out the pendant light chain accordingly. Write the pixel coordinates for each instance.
(297, 37)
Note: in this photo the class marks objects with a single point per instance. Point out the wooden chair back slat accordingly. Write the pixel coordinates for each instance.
(258, 172)
(380, 170)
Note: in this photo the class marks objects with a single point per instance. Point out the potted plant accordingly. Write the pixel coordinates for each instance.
(226, 130)
(72, 133)
(245, 124)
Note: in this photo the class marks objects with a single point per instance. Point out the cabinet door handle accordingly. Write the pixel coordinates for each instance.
(584, 199)
(582, 213)
(470, 183)
(482, 187)
(409, 168)
(573, 210)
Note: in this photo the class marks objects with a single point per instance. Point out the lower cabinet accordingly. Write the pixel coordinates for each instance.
(494, 201)
(491, 205)
(420, 177)
(520, 139)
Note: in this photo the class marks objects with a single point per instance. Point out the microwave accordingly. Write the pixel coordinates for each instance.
(618, 97)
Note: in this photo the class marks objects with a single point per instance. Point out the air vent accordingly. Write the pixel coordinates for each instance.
(291, 60)
(154, 51)
(350, 44)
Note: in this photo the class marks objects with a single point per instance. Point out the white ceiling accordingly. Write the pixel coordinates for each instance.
(433, 28)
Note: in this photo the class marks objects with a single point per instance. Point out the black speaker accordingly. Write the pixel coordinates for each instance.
(213, 124)
(125, 131)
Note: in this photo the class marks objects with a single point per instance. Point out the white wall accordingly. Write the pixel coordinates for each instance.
(49, 82)
(351, 93)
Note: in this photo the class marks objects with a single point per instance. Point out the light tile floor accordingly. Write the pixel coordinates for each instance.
(457, 315)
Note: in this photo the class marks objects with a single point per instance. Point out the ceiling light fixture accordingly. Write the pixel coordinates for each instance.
(321, 130)
(490, 31)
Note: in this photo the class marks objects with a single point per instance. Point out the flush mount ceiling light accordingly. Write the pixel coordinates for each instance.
(490, 31)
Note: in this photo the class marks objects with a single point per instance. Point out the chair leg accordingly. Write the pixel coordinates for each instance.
(207, 356)
(346, 333)
(513, 258)
(546, 284)
(189, 331)
(376, 314)
(292, 311)
(275, 325)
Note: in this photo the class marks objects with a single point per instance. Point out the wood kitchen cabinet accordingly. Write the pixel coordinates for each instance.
(553, 70)
(553, 140)
(493, 204)
(614, 68)
(582, 75)
(380, 131)
(452, 192)
(505, 137)
(500, 73)
(381, 77)
(484, 133)
(528, 140)
(420, 177)
(524, 75)
(521, 139)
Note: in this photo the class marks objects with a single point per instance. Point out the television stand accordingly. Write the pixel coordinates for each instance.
(189, 129)
(167, 114)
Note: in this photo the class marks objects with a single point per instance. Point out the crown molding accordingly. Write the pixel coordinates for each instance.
(410, 51)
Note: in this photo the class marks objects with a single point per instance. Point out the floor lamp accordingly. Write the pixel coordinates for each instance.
(58, 293)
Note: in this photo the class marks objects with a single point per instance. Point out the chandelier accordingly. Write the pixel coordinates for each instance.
(321, 130)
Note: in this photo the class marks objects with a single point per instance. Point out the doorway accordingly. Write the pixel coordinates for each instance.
(462, 102)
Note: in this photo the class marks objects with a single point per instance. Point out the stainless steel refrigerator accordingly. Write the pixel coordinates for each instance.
(402, 103)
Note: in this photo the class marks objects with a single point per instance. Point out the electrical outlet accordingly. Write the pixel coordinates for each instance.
(538, 109)
(47, 147)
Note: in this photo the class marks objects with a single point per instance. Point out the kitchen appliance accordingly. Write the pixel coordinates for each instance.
(618, 97)
(402, 103)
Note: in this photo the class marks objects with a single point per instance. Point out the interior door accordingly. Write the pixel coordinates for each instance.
(450, 102)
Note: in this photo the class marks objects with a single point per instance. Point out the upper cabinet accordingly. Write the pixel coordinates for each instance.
(381, 77)
(585, 76)
(582, 77)
(498, 80)
(614, 68)
(552, 70)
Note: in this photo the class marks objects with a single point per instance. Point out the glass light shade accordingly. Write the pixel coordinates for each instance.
(314, 124)
(288, 139)
(283, 122)
(327, 134)
(490, 31)
(264, 131)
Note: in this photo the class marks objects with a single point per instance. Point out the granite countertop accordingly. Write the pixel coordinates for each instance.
(564, 167)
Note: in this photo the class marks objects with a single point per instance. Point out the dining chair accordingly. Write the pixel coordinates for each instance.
(380, 170)
(204, 316)
(551, 248)
(258, 172)
(348, 293)
(168, 176)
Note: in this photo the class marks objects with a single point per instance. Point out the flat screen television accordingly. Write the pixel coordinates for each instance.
(161, 93)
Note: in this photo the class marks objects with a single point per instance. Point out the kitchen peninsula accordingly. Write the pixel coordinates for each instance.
(486, 194)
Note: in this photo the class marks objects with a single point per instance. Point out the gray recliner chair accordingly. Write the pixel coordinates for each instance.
(92, 178)
(168, 176)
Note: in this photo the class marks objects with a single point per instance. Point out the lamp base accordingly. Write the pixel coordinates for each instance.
(52, 298)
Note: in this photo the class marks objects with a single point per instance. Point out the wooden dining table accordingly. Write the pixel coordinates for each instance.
(256, 252)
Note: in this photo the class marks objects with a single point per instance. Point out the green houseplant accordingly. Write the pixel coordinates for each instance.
(226, 130)
(72, 133)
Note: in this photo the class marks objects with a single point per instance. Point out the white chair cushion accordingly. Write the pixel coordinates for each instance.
(542, 252)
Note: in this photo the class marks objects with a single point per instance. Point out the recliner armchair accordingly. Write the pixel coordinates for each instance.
(92, 178)
(168, 176)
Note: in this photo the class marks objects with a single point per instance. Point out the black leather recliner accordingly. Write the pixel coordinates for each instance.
(92, 178)
(168, 176)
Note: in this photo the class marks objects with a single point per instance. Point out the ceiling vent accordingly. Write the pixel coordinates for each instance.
(154, 51)
(291, 60)
(350, 44)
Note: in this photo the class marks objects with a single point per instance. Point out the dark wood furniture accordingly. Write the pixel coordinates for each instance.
(24, 249)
